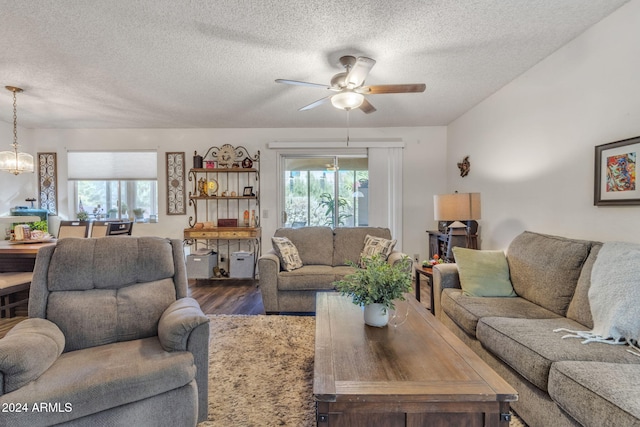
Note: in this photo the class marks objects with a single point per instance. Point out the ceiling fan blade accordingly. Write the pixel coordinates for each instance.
(316, 103)
(298, 83)
(366, 107)
(359, 71)
(405, 88)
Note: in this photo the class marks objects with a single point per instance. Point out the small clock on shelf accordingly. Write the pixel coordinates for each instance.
(226, 156)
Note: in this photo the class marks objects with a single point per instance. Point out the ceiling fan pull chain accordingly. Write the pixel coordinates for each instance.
(348, 111)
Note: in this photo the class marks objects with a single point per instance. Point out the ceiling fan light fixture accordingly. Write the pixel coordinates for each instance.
(347, 100)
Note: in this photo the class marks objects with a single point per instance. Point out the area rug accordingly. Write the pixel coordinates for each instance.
(261, 372)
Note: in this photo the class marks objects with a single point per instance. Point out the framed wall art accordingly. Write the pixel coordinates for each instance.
(48, 182)
(615, 174)
(175, 184)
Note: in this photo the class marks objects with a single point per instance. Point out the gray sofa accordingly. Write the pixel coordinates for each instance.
(561, 382)
(111, 339)
(324, 252)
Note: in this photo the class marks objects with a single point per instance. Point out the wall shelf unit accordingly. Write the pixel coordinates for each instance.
(225, 197)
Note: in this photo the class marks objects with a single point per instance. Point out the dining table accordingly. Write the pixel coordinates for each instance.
(19, 256)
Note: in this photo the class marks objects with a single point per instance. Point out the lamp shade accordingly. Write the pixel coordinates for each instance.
(456, 207)
(347, 100)
(15, 162)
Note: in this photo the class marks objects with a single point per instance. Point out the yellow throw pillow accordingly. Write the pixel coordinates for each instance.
(483, 273)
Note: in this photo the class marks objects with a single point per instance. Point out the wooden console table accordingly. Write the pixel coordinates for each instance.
(415, 374)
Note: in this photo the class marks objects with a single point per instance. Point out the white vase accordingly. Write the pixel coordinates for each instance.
(376, 315)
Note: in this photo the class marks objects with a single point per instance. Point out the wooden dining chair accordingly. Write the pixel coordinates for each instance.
(73, 229)
(120, 228)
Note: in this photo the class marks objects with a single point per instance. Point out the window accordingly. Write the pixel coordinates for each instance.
(115, 184)
(325, 191)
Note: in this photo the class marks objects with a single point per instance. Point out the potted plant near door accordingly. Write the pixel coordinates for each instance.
(376, 286)
(139, 214)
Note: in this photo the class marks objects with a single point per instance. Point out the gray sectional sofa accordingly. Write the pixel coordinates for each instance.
(324, 252)
(561, 382)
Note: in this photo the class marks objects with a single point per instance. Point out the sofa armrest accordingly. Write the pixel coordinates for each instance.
(178, 321)
(396, 256)
(444, 276)
(268, 269)
(27, 351)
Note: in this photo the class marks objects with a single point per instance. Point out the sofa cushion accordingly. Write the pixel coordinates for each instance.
(530, 346)
(348, 242)
(100, 378)
(109, 263)
(597, 393)
(579, 307)
(314, 244)
(376, 246)
(307, 278)
(342, 271)
(102, 316)
(545, 269)
(287, 252)
(465, 310)
(483, 273)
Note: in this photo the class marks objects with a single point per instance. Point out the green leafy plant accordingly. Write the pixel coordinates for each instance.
(138, 212)
(378, 282)
(40, 225)
(328, 203)
(82, 216)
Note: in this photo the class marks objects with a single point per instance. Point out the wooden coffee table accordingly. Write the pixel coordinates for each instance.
(416, 374)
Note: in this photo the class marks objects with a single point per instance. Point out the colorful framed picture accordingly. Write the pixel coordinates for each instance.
(176, 204)
(616, 180)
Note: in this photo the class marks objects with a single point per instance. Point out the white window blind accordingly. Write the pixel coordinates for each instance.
(112, 165)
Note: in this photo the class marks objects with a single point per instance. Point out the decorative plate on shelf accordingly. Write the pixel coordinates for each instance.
(226, 156)
(212, 187)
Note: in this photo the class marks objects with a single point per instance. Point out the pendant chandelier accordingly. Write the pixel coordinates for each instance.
(13, 161)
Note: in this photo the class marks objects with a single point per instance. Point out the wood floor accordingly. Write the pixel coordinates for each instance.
(232, 296)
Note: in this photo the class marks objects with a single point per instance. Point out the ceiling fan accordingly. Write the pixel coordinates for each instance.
(349, 86)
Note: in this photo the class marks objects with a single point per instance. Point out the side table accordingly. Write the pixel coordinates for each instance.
(428, 273)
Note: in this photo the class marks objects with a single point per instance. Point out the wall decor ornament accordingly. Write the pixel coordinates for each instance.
(464, 166)
(48, 182)
(615, 176)
(175, 184)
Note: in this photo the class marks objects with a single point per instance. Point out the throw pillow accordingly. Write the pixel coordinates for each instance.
(287, 252)
(376, 246)
(483, 273)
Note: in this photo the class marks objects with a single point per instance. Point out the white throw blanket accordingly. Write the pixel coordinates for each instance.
(614, 296)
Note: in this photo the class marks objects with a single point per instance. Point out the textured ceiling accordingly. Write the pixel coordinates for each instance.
(205, 64)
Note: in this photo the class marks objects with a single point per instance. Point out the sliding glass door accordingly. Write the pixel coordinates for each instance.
(324, 191)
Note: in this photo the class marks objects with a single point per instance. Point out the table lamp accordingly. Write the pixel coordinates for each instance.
(463, 207)
(458, 213)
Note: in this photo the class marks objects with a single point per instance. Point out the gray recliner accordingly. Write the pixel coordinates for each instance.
(111, 339)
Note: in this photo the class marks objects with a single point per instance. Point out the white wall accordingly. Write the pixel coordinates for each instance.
(423, 172)
(531, 144)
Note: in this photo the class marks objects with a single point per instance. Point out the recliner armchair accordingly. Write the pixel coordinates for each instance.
(111, 339)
